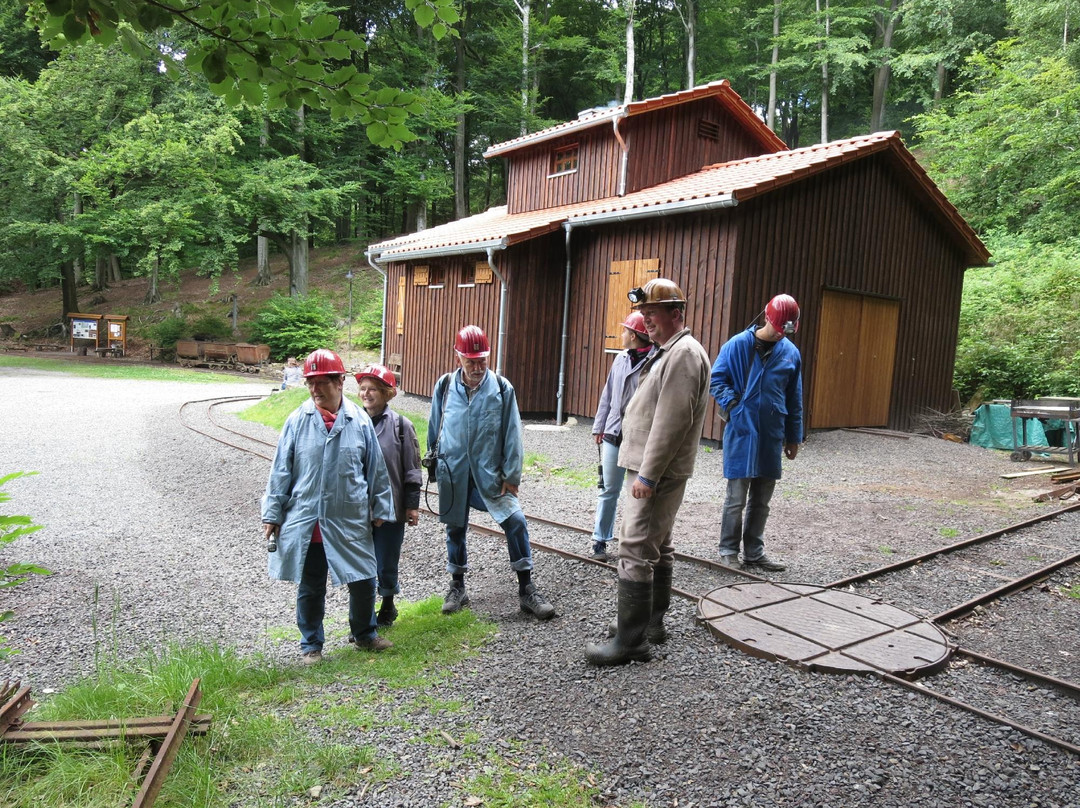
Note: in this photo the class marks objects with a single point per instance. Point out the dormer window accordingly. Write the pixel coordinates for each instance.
(564, 160)
(708, 130)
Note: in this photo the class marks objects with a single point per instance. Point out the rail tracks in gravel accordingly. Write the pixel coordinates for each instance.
(981, 559)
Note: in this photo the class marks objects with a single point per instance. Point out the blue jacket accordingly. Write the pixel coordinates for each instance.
(337, 478)
(763, 401)
(481, 437)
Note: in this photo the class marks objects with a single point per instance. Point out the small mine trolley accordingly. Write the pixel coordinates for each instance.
(1064, 410)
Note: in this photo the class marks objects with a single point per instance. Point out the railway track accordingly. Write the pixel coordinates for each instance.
(989, 567)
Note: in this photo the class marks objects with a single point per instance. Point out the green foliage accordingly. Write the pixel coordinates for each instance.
(12, 528)
(168, 331)
(295, 326)
(369, 321)
(255, 52)
(211, 327)
(1018, 337)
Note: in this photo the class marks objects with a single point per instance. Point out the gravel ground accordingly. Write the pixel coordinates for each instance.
(153, 535)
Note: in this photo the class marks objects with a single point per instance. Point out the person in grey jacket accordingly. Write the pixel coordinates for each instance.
(661, 431)
(401, 451)
(621, 383)
(328, 485)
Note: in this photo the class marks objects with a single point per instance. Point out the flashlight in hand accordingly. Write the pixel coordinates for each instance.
(271, 543)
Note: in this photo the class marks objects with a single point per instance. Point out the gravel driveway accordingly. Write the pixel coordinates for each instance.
(153, 535)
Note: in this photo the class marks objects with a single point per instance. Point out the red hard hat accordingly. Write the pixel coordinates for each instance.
(782, 313)
(635, 321)
(472, 342)
(322, 362)
(380, 372)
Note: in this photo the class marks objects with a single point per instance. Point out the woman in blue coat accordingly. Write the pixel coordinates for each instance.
(757, 383)
(328, 485)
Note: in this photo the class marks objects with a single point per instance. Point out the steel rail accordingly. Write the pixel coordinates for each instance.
(163, 760)
(210, 414)
(1071, 688)
(1015, 585)
(180, 415)
(1000, 719)
(948, 548)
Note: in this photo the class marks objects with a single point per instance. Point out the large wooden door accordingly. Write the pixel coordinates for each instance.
(853, 365)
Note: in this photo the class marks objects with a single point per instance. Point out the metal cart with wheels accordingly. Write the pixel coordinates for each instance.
(1065, 410)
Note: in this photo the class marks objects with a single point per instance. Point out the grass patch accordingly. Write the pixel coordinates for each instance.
(535, 463)
(886, 549)
(1071, 591)
(162, 373)
(949, 532)
(278, 731)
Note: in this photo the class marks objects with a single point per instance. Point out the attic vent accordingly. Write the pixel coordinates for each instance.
(708, 130)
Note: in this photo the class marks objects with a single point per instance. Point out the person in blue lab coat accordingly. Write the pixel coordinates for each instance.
(757, 383)
(328, 485)
(474, 433)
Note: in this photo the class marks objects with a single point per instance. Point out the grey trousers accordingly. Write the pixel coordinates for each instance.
(752, 495)
(645, 541)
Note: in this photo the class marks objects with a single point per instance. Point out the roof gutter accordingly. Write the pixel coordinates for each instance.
(403, 254)
(382, 339)
(652, 211)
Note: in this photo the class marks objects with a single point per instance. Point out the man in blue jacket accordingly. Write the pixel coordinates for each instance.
(475, 429)
(328, 486)
(757, 383)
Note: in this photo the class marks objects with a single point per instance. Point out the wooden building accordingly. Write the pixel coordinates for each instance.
(694, 187)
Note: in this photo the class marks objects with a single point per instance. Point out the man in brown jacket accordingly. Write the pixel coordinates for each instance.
(661, 431)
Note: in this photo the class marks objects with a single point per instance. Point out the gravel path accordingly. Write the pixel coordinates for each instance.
(153, 536)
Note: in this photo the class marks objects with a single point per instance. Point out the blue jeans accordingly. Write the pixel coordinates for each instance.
(752, 495)
(311, 603)
(388, 538)
(608, 499)
(517, 539)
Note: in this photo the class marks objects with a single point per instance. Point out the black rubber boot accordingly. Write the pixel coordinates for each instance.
(629, 643)
(661, 600)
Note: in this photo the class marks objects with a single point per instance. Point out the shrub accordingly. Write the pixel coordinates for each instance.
(369, 321)
(295, 326)
(212, 327)
(167, 332)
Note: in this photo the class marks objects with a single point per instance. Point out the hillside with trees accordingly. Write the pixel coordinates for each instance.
(144, 139)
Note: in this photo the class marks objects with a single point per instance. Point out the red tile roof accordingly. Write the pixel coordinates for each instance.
(721, 90)
(739, 179)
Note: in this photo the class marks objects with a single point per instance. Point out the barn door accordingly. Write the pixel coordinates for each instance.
(853, 365)
(622, 277)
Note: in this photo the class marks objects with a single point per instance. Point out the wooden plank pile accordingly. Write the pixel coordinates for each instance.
(1067, 484)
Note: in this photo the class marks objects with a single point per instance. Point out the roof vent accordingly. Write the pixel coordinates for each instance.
(708, 130)
(588, 113)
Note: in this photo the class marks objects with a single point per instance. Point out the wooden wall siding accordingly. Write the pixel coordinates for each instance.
(857, 229)
(665, 144)
(696, 251)
(597, 176)
(434, 316)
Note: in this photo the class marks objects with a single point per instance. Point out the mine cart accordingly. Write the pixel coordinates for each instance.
(1053, 411)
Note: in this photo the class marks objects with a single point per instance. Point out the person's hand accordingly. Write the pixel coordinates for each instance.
(378, 522)
(412, 516)
(599, 438)
(270, 530)
(508, 488)
(790, 450)
(640, 491)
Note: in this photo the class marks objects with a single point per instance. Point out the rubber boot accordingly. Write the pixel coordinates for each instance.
(661, 600)
(629, 643)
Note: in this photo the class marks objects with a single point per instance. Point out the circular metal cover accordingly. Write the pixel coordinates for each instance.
(823, 629)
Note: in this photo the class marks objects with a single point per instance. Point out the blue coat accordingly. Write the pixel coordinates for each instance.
(337, 478)
(481, 437)
(763, 401)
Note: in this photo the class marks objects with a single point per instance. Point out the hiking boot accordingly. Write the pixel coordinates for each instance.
(455, 599)
(376, 643)
(599, 551)
(311, 657)
(730, 560)
(766, 563)
(535, 603)
(387, 614)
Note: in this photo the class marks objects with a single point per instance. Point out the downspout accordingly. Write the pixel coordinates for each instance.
(560, 395)
(385, 281)
(503, 292)
(624, 157)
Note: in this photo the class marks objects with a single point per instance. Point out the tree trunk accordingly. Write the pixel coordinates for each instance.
(262, 246)
(461, 187)
(298, 266)
(939, 86)
(691, 43)
(770, 117)
(884, 70)
(824, 75)
(628, 95)
(101, 273)
(152, 293)
(77, 259)
(114, 269)
(525, 10)
(68, 293)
